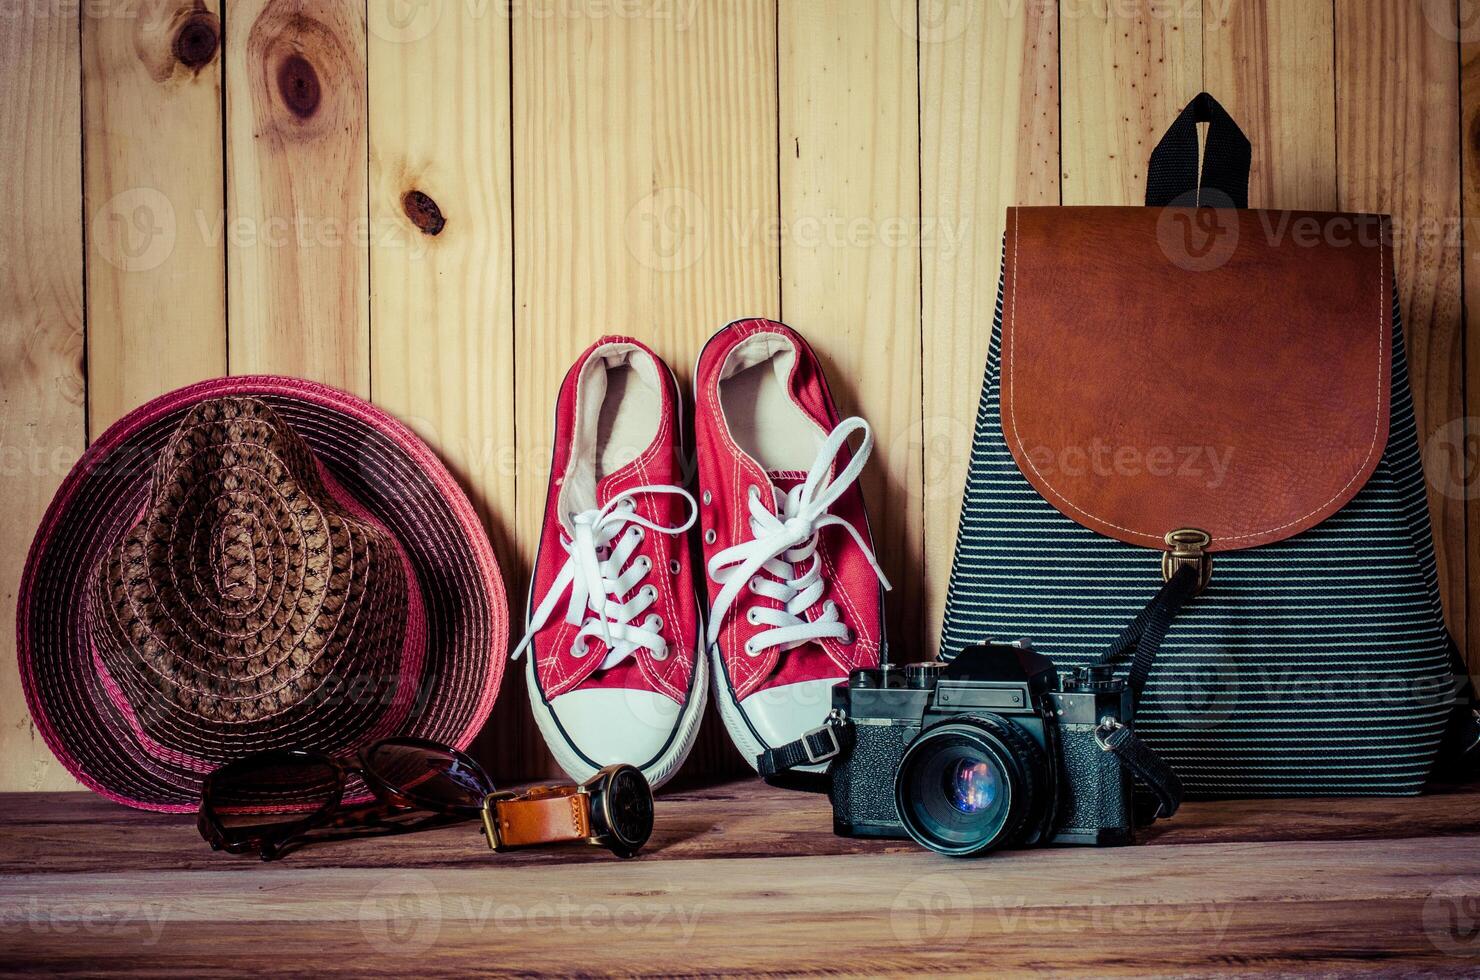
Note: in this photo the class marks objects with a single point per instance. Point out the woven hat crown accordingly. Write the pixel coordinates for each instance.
(254, 605)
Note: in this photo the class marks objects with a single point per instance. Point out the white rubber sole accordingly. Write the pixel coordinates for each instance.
(658, 771)
(733, 716)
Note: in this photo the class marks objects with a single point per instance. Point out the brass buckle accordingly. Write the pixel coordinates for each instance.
(584, 789)
(1188, 546)
(490, 818)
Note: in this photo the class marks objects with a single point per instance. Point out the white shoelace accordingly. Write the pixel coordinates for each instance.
(782, 541)
(600, 570)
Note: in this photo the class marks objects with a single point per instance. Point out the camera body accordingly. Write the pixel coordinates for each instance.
(995, 748)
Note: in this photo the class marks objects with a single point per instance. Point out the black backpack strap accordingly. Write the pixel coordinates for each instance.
(1173, 178)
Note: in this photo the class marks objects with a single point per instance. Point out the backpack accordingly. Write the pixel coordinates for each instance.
(1198, 383)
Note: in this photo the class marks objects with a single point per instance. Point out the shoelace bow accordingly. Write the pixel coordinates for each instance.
(782, 541)
(600, 570)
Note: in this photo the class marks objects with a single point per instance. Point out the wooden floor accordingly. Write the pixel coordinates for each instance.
(741, 877)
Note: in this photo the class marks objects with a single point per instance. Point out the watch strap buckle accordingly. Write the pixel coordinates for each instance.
(490, 818)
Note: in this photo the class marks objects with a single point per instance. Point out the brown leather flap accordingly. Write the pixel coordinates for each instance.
(1173, 368)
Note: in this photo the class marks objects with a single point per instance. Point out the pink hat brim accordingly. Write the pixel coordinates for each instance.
(380, 463)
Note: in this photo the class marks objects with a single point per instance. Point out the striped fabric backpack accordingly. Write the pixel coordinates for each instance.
(1195, 382)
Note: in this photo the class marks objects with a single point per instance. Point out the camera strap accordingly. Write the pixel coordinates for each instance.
(1149, 628)
(822, 744)
(1459, 750)
(1142, 639)
(1149, 769)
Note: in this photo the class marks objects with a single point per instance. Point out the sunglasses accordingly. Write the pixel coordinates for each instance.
(274, 802)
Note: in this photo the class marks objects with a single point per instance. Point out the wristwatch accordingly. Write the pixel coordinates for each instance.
(612, 809)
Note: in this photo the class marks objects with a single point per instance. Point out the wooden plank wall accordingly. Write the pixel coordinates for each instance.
(439, 204)
(43, 396)
(156, 238)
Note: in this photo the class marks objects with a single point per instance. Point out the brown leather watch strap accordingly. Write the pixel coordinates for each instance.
(545, 815)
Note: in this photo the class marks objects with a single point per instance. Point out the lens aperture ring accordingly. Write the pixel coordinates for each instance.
(1023, 763)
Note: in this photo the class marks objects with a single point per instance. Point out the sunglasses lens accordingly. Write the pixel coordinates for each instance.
(272, 789)
(439, 779)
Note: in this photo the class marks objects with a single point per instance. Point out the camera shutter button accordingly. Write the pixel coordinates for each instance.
(923, 675)
(1100, 677)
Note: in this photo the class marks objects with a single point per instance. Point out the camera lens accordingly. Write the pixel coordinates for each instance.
(974, 786)
(963, 786)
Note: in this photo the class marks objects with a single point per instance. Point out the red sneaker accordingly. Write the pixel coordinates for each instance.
(616, 676)
(795, 593)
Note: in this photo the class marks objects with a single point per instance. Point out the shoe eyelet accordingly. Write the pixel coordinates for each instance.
(710, 536)
(708, 498)
(637, 534)
(673, 567)
(660, 654)
(656, 624)
(579, 649)
(753, 616)
(751, 585)
(751, 650)
(650, 591)
(849, 638)
(647, 563)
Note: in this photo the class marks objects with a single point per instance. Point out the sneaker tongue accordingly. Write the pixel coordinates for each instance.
(785, 480)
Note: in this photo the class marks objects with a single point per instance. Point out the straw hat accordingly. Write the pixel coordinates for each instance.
(254, 563)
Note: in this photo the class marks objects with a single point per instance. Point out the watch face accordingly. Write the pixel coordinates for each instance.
(628, 802)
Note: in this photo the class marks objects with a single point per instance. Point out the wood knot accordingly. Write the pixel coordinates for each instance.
(423, 212)
(197, 40)
(299, 84)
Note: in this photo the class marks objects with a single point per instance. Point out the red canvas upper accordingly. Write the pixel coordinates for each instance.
(727, 475)
(558, 669)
